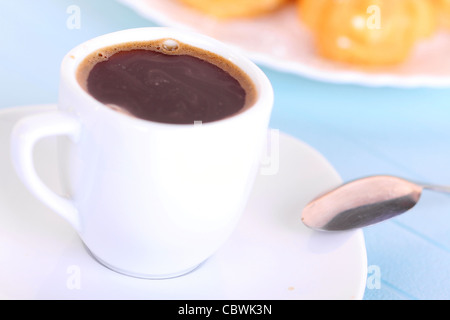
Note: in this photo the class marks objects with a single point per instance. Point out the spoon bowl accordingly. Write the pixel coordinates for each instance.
(364, 202)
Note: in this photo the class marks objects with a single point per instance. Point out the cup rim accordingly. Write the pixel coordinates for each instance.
(72, 60)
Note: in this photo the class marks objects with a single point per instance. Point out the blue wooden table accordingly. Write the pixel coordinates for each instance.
(361, 131)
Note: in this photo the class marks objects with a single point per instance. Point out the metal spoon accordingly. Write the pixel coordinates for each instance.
(364, 202)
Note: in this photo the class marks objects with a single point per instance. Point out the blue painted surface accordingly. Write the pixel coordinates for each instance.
(361, 131)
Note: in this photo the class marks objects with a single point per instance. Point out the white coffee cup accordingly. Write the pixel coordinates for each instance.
(148, 199)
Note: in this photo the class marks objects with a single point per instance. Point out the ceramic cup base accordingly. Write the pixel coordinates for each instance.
(142, 275)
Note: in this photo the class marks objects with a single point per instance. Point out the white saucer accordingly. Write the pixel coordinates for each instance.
(270, 256)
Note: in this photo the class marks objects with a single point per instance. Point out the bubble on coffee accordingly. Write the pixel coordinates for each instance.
(166, 81)
(170, 45)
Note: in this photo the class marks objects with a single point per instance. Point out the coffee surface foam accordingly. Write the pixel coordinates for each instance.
(166, 81)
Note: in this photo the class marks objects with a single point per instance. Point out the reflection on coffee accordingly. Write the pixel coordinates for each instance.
(166, 81)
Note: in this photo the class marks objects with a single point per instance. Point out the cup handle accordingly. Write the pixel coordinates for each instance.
(26, 133)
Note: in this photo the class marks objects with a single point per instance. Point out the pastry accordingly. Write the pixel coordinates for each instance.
(367, 32)
(425, 16)
(225, 9)
(443, 7)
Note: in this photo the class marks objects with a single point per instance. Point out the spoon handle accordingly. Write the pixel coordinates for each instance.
(443, 189)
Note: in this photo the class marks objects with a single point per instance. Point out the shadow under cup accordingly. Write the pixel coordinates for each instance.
(149, 199)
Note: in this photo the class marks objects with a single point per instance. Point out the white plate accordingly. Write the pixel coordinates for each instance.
(280, 41)
(270, 256)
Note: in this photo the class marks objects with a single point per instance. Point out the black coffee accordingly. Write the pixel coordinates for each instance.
(166, 81)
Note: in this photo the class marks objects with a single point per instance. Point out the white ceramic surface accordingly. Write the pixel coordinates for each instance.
(280, 41)
(123, 173)
(271, 255)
